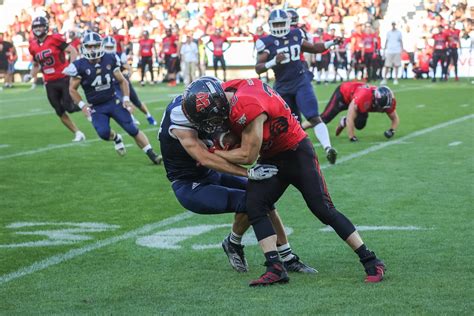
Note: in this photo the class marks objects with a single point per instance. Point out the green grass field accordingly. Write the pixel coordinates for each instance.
(84, 231)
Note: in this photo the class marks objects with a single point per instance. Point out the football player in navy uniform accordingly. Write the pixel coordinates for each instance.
(204, 183)
(96, 72)
(281, 52)
(110, 47)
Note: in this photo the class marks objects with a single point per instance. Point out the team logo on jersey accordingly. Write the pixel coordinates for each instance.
(108, 67)
(279, 126)
(98, 71)
(202, 101)
(88, 72)
(295, 38)
(276, 42)
(242, 120)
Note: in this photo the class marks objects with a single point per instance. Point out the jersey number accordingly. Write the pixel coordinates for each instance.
(99, 85)
(272, 93)
(45, 58)
(292, 53)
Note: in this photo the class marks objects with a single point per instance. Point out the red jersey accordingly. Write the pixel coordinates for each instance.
(76, 43)
(440, 41)
(347, 90)
(281, 131)
(257, 37)
(453, 37)
(169, 45)
(321, 39)
(363, 97)
(218, 42)
(369, 41)
(50, 55)
(146, 47)
(424, 61)
(119, 39)
(357, 43)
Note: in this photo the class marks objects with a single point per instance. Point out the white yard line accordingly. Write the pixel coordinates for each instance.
(43, 264)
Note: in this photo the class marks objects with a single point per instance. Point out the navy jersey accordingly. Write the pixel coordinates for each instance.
(289, 73)
(178, 163)
(98, 79)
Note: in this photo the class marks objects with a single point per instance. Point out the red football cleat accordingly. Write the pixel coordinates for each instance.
(275, 273)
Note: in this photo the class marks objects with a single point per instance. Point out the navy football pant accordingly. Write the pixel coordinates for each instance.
(300, 168)
(215, 194)
(302, 101)
(102, 113)
(133, 94)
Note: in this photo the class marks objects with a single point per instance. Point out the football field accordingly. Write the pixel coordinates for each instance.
(85, 231)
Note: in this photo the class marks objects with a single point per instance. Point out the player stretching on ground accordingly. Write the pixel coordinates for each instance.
(110, 47)
(360, 99)
(96, 73)
(48, 53)
(281, 51)
(190, 168)
(263, 121)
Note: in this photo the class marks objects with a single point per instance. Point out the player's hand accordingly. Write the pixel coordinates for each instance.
(389, 133)
(354, 139)
(86, 110)
(128, 105)
(261, 172)
(280, 57)
(338, 40)
(27, 78)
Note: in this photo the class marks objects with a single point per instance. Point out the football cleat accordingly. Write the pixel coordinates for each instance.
(331, 155)
(276, 273)
(375, 270)
(236, 256)
(295, 265)
(340, 127)
(120, 146)
(151, 120)
(79, 137)
(156, 159)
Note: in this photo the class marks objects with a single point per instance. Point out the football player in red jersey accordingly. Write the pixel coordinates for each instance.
(369, 40)
(454, 44)
(170, 51)
(266, 126)
(49, 56)
(119, 39)
(360, 99)
(75, 40)
(147, 48)
(440, 53)
(218, 50)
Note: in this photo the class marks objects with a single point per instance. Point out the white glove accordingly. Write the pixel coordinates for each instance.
(261, 172)
(26, 78)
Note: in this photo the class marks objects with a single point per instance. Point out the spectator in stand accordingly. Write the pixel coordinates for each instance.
(218, 50)
(440, 53)
(190, 57)
(454, 43)
(147, 47)
(170, 51)
(422, 66)
(393, 53)
(8, 57)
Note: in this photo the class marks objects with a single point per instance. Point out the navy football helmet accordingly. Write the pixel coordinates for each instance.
(110, 45)
(279, 22)
(92, 46)
(294, 16)
(205, 105)
(40, 26)
(383, 98)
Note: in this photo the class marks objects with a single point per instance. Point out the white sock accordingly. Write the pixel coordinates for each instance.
(78, 133)
(235, 239)
(285, 252)
(148, 115)
(146, 148)
(322, 134)
(318, 75)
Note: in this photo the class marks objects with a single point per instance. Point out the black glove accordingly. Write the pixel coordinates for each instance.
(353, 139)
(389, 133)
(338, 40)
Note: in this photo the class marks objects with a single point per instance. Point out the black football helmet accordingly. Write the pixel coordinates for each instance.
(40, 26)
(205, 105)
(383, 98)
(294, 16)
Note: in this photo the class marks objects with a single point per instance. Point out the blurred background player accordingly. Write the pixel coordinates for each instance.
(119, 40)
(218, 50)
(8, 58)
(258, 35)
(281, 51)
(360, 99)
(322, 60)
(110, 47)
(49, 56)
(370, 45)
(146, 50)
(422, 66)
(189, 53)
(170, 52)
(340, 58)
(96, 72)
(454, 43)
(356, 51)
(75, 40)
(440, 53)
(393, 53)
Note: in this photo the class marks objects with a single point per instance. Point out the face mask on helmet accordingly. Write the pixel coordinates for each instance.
(92, 46)
(279, 23)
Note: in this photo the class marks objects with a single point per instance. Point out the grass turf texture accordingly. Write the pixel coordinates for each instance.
(421, 182)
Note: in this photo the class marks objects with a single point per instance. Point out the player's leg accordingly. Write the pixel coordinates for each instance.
(455, 57)
(139, 104)
(124, 119)
(150, 68)
(305, 174)
(101, 121)
(290, 100)
(361, 120)
(142, 70)
(214, 63)
(223, 66)
(335, 106)
(308, 105)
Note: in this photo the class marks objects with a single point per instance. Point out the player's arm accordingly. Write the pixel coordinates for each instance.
(198, 150)
(395, 120)
(263, 64)
(252, 138)
(351, 116)
(228, 45)
(72, 52)
(123, 83)
(74, 83)
(317, 48)
(35, 69)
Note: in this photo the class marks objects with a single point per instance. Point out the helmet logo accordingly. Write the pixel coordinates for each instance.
(202, 101)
